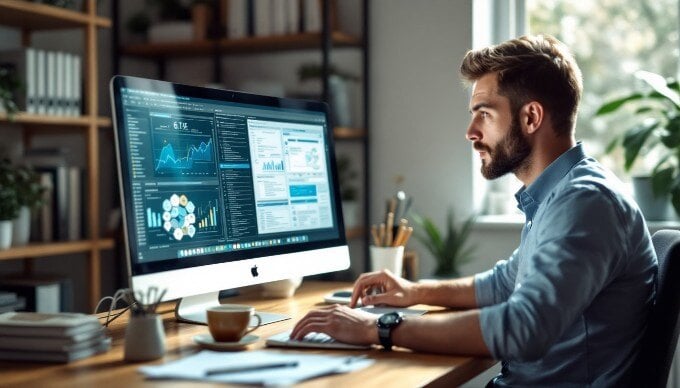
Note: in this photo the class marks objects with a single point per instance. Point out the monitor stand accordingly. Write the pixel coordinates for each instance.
(191, 309)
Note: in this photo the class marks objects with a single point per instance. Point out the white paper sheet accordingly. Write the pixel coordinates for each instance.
(309, 365)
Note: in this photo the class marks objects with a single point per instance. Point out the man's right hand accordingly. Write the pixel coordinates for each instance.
(393, 290)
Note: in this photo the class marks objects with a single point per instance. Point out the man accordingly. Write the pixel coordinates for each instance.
(569, 306)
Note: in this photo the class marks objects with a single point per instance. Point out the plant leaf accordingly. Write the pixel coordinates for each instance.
(662, 181)
(616, 104)
(671, 138)
(634, 139)
(659, 84)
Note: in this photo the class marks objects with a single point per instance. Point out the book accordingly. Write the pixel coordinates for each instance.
(42, 295)
(53, 344)
(47, 325)
(17, 305)
(237, 19)
(7, 297)
(27, 355)
(23, 63)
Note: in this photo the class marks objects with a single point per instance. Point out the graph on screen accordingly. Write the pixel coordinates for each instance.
(183, 146)
(182, 216)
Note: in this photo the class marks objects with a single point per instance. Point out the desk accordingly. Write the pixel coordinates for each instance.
(400, 368)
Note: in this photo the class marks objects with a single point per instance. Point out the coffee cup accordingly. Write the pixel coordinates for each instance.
(230, 322)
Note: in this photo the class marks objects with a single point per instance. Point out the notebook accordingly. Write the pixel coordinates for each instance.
(324, 341)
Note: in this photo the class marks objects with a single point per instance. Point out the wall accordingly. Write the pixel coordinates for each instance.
(418, 118)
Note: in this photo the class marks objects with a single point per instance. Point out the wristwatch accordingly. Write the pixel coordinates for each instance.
(385, 324)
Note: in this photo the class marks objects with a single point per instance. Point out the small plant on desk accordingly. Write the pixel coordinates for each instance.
(450, 250)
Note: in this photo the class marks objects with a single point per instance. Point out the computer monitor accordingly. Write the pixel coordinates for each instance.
(223, 189)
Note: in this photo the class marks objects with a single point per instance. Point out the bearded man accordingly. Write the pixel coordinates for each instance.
(570, 304)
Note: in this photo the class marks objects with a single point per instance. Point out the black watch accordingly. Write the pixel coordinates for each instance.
(385, 324)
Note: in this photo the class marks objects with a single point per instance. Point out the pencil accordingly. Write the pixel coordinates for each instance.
(248, 368)
(407, 235)
(388, 229)
(400, 236)
(381, 234)
(374, 233)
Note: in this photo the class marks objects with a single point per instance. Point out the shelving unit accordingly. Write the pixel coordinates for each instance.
(324, 41)
(30, 17)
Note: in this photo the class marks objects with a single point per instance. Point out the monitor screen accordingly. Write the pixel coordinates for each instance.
(222, 189)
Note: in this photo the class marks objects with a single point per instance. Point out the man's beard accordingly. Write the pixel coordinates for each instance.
(508, 155)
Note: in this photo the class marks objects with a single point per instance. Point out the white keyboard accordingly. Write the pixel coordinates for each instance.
(311, 340)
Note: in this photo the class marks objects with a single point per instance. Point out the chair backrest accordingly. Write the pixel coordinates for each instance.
(661, 336)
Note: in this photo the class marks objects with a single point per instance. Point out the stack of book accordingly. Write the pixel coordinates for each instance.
(10, 301)
(61, 337)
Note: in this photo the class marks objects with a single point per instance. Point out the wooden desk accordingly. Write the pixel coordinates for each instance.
(400, 368)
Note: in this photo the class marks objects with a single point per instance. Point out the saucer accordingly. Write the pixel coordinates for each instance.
(208, 342)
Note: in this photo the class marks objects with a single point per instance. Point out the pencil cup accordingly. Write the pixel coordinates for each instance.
(144, 338)
(391, 258)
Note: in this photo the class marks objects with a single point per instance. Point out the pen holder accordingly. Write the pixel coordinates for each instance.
(391, 258)
(144, 338)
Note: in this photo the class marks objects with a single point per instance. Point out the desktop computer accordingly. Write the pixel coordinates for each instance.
(223, 189)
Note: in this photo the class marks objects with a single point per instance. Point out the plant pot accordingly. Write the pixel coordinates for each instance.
(21, 229)
(653, 208)
(5, 234)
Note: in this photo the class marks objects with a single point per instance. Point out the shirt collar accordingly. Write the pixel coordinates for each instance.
(528, 198)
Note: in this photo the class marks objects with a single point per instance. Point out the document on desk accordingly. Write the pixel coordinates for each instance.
(263, 367)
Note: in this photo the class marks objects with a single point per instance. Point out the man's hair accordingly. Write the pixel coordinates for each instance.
(532, 68)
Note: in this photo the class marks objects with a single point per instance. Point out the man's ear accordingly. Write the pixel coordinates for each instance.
(532, 116)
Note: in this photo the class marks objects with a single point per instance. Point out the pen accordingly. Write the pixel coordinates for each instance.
(247, 368)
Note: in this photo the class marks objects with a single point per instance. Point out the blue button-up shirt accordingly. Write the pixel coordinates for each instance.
(570, 305)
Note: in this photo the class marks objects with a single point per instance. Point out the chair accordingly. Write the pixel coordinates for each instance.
(661, 336)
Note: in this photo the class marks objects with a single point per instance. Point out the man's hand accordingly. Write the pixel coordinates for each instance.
(340, 322)
(391, 290)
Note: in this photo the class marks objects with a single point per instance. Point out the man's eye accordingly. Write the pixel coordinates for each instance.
(483, 115)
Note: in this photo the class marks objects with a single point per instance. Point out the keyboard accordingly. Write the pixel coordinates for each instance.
(311, 340)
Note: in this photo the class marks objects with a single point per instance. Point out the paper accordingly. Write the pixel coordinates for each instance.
(308, 366)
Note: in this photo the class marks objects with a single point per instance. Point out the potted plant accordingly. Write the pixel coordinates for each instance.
(450, 250)
(29, 197)
(656, 126)
(9, 204)
(348, 192)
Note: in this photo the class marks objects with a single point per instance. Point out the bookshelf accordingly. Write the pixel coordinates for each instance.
(323, 42)
(30, 17)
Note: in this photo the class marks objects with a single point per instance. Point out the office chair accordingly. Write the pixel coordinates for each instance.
(661, 336)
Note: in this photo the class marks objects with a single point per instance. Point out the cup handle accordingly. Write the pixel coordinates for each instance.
(259, 322)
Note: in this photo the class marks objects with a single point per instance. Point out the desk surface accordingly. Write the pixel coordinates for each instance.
(400, 368)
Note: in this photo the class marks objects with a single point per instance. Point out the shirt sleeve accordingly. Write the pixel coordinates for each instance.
(495, 285)
(580, 244)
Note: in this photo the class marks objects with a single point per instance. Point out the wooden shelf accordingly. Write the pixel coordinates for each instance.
(345, 133)
(55, 248)
(35, 16)
(238, 46)
(75, 121)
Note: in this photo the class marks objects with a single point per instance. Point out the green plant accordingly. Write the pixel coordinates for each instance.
(450, 250)
(9, 86)
(346, 176)
(29, 190)
(656, 126)
(9, 203)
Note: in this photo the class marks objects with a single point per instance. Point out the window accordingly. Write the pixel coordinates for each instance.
(611, 39)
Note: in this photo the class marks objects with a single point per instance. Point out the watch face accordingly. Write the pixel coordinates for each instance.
(389, 319)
